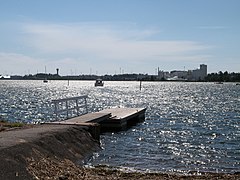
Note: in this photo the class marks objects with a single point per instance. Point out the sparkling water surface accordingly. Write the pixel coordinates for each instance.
(188, 126)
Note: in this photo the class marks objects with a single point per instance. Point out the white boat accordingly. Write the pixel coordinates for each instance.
(99, 82)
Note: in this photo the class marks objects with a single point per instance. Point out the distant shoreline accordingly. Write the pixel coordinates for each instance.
(212, 77)
(119, 80)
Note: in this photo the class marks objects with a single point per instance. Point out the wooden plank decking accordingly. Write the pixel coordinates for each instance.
(121, 118)
(95, 117)
(123, 113)
(108, 119)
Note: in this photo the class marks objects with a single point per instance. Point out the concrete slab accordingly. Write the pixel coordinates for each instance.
(95, 117)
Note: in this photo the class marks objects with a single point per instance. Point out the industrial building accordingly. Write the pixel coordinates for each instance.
(190, 75)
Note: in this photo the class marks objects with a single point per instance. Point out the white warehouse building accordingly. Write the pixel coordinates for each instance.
(190, 75)
(199, 74)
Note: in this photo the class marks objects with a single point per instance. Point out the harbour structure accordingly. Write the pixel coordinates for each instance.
(5, 77)
(122, 118)
(199, 74)
(190, 75)
(113, 119)
(57, 71)
(107, 120)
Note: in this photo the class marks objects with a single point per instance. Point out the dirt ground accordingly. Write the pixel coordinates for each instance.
(53, 168)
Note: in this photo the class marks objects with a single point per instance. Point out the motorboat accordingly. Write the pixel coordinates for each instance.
(99, 82)
(45, 80)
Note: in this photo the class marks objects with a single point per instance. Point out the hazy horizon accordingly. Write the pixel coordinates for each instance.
(112, 37)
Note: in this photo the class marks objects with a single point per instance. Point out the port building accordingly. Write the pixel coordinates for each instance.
(190, 75)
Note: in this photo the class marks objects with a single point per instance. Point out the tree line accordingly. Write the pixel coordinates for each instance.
(212, 77)
(223, 77)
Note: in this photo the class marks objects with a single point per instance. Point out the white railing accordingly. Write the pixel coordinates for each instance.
(70, 107)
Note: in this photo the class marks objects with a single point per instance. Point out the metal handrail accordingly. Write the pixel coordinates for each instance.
(68, 108)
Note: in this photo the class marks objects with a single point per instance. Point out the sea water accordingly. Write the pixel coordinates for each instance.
(188, 126)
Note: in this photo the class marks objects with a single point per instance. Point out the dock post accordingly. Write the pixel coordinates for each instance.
(55, 110)
(77, 107)
(95, 131)
(67, 109)
(86, 104)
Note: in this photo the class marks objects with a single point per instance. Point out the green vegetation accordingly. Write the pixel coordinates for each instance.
(223, 77)
(212, 77)
(8, 125)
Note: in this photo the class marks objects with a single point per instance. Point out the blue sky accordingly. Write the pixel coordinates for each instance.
(106, 36)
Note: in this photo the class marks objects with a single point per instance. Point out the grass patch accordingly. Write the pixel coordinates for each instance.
(3, 121)
(8, 125)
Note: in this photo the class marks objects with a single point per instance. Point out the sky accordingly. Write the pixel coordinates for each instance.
(118, 36)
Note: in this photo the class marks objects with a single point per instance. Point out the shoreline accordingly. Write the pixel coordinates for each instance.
(55, 168)
(21, 147)
(65, 169)
(57, 152)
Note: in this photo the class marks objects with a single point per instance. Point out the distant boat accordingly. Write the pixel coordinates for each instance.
(45, 80)
(99, 82)
(238, 84)
(218, 83)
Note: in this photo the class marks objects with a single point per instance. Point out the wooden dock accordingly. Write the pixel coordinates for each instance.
(108, 119)
(95, 117)
(122, 118)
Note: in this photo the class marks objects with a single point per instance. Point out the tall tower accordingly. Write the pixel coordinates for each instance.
(57, 71)
(203, 69)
